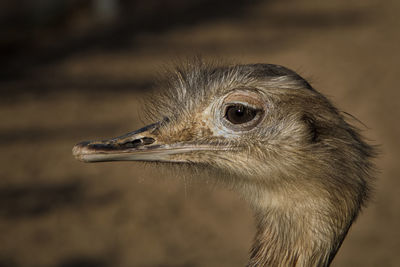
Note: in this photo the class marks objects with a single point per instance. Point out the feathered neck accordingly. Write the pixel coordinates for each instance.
(302, 229)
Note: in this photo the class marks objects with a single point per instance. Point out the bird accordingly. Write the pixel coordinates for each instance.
(265, 132)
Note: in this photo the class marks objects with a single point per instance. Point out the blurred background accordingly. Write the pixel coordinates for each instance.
(74, 70)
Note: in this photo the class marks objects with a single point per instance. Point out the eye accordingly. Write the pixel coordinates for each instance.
(242, 111)
(239, 114)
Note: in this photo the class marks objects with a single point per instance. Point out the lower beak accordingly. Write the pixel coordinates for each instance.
(140, 145)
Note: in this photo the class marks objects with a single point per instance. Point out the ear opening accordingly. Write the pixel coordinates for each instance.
(312, 127)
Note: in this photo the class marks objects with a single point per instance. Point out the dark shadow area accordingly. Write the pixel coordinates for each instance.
(29, 52)
(13, 90)
(37, 134)
(31, 200)
(5, 262)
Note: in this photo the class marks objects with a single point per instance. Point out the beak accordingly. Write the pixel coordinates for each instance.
(140, 145)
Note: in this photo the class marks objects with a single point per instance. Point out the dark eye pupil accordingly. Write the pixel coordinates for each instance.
(238, 114)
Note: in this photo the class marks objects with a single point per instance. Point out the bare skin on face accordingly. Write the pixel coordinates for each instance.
(280, 143)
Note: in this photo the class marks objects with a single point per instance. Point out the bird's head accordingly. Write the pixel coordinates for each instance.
(261, 121)
(281, 143)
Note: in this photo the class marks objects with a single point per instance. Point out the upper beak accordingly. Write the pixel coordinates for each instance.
(140, 145)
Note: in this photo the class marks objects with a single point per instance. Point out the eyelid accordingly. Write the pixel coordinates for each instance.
(240, 103)
(246, 98)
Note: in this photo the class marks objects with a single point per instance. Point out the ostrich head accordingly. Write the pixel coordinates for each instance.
(283, 145)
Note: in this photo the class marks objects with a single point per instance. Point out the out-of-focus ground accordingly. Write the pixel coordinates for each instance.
(71, 83)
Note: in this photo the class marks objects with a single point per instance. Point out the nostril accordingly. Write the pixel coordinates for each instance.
(138, 142)
(100, 146)
(131, 144)
(148, 140)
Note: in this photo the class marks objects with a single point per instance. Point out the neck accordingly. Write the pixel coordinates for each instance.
(299, 230)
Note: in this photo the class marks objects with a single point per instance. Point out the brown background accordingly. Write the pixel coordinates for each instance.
(72, 70)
